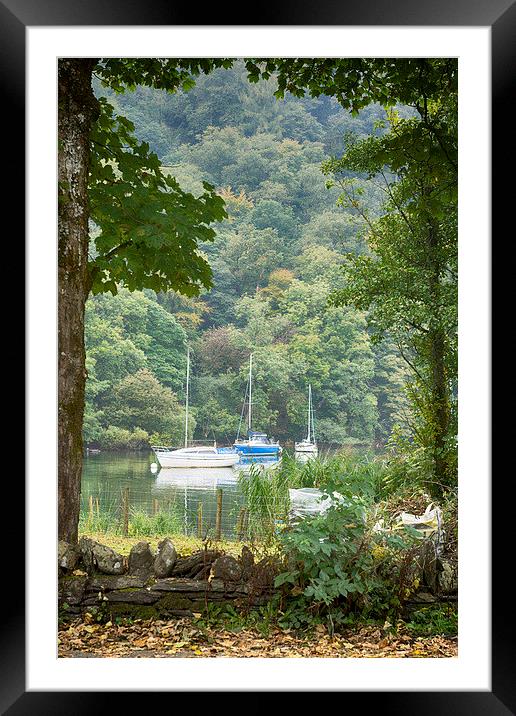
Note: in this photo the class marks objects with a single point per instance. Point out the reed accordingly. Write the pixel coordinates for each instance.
(104, 519)
(346, 471)
(267, 499)
(162, 523)
(104, 522)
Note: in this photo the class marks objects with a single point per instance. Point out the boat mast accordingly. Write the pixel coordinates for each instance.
(312, 416)
(250, 391)
(187, 385)
(309, 410)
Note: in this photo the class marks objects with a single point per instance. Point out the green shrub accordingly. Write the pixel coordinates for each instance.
(115, 438)
(409, 463)
(139, 440)
(336, 565)
(434, 620)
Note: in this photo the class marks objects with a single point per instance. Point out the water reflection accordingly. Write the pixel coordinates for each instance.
(174, 491)
(262, 463)
(194, 478)
(193, 491)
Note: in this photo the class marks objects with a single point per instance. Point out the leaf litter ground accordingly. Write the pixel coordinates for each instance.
(184, 638)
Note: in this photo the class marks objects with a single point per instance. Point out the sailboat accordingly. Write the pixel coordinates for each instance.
(257, 445)
(201, 456)
(308, 446)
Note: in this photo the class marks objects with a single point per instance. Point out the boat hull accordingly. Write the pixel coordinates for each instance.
(176, 462)
(194, 458)
(306, 449)
(258, 450)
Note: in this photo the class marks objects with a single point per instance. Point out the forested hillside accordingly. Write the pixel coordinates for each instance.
(275, 261)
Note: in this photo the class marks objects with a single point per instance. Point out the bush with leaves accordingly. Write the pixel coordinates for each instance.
(337, 565)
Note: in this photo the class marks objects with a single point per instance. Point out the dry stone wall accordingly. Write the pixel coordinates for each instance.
(95, 578)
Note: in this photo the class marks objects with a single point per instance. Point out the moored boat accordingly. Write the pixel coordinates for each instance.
(308, 446)
(201, 456)
(257, 444)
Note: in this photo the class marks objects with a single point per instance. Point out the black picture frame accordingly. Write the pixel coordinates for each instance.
(500, 16)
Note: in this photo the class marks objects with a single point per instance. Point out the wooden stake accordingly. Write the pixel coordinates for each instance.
(218, 518)
(97, 504)
(125, 512)
(240, 524)
(156, 506)
(91, 506)
(199, 520)
(245, 522)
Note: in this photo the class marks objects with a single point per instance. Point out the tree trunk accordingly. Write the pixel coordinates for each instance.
(440, 405)
(441, 410)
(77, 110)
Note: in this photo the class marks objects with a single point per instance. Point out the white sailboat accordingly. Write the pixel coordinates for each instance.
(200, 456)
(308, 446)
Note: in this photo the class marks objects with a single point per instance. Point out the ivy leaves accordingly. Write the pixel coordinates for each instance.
(149, 227)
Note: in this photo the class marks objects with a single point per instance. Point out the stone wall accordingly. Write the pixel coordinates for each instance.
(94, 578)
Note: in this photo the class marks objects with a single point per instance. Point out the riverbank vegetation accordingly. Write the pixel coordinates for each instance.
(349, 563)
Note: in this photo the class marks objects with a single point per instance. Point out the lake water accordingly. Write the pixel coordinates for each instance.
(175, 491)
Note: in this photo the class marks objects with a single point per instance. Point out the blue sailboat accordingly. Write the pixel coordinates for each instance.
(257, 447)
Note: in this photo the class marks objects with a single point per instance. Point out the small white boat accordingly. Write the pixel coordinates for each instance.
(308, 446)
(203, 456)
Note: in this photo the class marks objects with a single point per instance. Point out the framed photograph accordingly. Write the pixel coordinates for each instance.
(477, 680)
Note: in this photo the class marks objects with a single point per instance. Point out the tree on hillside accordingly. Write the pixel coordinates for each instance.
(409, 284)
(139, 401)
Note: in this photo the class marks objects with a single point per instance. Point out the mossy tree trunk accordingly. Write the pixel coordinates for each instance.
(77, 110)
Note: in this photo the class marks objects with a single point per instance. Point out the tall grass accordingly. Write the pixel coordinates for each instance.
(103, 523)
(162, 523)
(267, 499)
(103, 519)
(267, 491)
(141, 524)
(346, 471)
